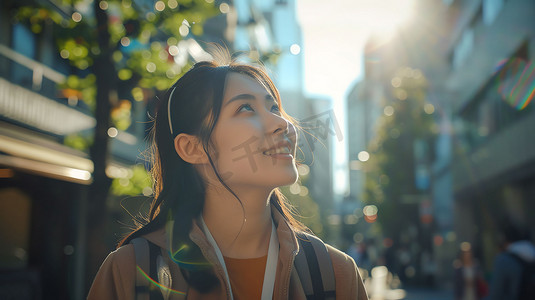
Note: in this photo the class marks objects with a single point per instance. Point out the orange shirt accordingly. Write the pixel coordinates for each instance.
(246, 277)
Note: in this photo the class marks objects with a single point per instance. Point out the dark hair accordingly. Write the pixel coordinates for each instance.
(179, 190)
(513, 233)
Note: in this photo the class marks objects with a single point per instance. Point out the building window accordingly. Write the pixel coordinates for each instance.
(491, 9)
(23, 43)
(463, 48)
(503, 101)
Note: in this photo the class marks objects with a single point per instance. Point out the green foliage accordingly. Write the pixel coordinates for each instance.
(390, 171)
(136, 182)
(306, 210)
(78, 141)
(140, 37)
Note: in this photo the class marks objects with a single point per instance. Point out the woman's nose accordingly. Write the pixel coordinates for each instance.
(277, 123)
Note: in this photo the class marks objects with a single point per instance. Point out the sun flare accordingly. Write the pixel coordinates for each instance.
(383, 17)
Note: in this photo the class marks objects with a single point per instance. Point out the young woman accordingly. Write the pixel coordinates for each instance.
(222, 147)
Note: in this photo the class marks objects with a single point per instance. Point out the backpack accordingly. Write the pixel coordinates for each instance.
(527, 283)
(313, 265)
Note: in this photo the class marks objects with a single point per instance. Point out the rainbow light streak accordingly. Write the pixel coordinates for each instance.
(156, 283)
(516, 82)
(185, 264)
(173, 254)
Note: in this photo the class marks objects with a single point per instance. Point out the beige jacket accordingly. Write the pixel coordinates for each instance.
(116, 277)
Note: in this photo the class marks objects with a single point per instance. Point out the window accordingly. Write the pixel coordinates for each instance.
(504, 100)
(463, 48)
(23, 43)
(491, 9)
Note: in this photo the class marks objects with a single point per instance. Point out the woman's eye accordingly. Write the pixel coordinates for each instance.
(245, 107)
(275, 107)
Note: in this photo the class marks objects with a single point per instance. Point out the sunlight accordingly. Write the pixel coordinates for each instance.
(383, 17)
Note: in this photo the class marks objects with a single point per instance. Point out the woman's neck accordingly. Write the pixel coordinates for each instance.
(240, 232)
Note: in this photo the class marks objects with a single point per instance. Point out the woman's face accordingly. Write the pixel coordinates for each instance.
(255, 146)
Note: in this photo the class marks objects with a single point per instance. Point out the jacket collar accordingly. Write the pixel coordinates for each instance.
(289, 248)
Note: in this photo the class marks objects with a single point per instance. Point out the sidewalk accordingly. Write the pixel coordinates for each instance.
(428, 294)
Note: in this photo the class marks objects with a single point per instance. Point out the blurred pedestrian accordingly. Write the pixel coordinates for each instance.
(220, 227)
(513, 275)
(469, 281)
(359, 252)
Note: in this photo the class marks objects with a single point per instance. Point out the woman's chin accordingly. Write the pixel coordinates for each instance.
(289, 179)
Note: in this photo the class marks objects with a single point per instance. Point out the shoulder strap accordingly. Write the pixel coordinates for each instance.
(146, 257)
(314, 267)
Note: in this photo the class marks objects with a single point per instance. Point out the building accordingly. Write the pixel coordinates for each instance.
(493, 150)
(476, 56)
(413, 58)
(44, 184)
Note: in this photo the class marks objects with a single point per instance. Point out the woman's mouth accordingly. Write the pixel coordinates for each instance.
(279, 150)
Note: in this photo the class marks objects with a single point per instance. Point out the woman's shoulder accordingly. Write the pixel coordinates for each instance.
(123, 255)
(349, 284)
(341, 260)
(116, 276)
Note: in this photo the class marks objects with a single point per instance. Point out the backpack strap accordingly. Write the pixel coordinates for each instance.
(147, 269)
(314, 267)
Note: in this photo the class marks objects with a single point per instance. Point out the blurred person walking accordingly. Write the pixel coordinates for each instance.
(219, 227)
(513, 275)
(359, 253)
(468, 280)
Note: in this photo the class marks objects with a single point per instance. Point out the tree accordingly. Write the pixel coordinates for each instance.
(119, 51)
(395, 182)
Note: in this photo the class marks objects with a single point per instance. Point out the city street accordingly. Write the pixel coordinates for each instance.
(428, 294)
(214, 132)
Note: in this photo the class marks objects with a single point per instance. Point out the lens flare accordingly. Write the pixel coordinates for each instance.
(155, 283)
(177, 255)
(515, 81)
(189, 265)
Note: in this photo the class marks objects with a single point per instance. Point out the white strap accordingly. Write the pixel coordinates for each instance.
(271, 263)
(218, 253)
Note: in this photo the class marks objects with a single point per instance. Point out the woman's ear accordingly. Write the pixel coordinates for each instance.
(190, 149)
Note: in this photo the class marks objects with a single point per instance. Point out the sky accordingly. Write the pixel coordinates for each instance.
(334, 34)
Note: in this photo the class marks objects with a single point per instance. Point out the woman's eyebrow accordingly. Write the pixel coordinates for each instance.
(268, 97)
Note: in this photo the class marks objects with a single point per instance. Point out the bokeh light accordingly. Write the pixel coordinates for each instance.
(183, 30)
(172, 4)
(363, 156)
(224, 8)
(303, 170)
(151, 67)
(76, 17)
(173, 50)
(429, 108)
(295, 188)
(112, 132)
(103, 5)
(64, 53)
(295, 49)
(388, 111)
(369, 210)
(159, 6)
(125, 41)
(401, 94)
